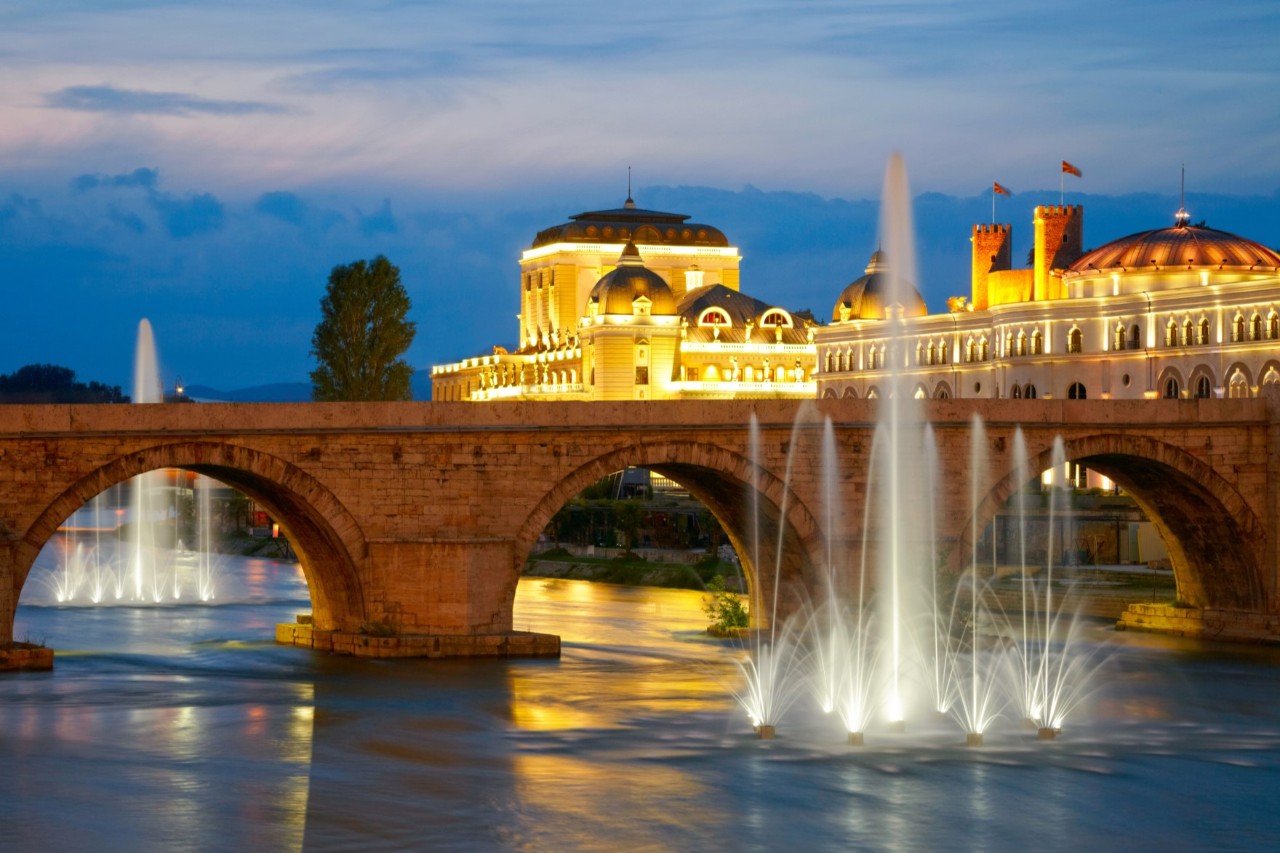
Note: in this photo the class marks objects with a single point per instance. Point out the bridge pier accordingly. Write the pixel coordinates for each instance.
(432, 598)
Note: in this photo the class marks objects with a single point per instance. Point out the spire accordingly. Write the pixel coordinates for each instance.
(630, 201)
(1182, 218)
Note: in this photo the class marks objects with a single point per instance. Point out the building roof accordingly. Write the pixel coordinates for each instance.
(629, 222)
(738, 306)
(617, 291)
(1182, 246)
(867, 298)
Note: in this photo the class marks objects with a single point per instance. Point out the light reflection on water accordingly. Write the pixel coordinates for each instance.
(166, 728)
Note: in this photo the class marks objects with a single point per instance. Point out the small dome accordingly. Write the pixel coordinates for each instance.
(651, 227)
(867, 298)
(616, 291)
(1182, 246)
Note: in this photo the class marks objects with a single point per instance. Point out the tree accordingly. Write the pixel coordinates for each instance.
(361, 335)
(50, 383)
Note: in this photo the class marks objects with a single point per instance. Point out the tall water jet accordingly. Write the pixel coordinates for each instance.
(901, 555)
(147, 388)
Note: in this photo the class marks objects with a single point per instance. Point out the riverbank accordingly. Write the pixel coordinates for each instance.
(632, 570)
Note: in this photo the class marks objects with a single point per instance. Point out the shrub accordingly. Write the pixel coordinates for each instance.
(725, 609)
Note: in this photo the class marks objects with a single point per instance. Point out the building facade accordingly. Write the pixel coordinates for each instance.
(633, 304)
(1178, 312)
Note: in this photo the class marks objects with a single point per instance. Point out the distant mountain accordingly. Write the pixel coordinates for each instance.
(280, 392)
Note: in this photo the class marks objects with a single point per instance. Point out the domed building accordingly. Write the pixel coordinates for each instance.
(1179, 312)
(633, 304)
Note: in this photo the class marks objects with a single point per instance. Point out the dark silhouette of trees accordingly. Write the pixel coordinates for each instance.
(49, 383)
(361, 335)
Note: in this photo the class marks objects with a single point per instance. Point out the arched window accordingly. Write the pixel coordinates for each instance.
(1271, 377)
(1237, 329)
(1029, 392)
(1076, 391)
(983, 350)
(1273, 327)
(1188, 331)
(713, 317)
(1171, 334)
(1037, 343)
(942, 352)
(1135, 337)
(1202, 332)
(871, 357)
(920, 354)
(829, 361)
(1022, 343)
(1238, 388)
(1015, 392)
(1075, 340)
(920, 393)
(943, 393)
(970, 351)
(1255, 327)
(1204, 388)
(776, 317)
(840, 359)
(1121, 334)
(933, 353)
(1172, 390)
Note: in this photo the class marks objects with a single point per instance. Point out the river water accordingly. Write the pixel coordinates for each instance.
(185, 727)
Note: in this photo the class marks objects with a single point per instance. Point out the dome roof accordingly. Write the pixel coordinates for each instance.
(1182, 246)
(629, 222)
(868, 297)
(615, 292)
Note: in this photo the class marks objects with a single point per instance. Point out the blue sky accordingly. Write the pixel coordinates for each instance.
(205, 164)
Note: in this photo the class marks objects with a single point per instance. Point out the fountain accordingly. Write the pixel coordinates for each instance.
(899, 641)
(149, 564)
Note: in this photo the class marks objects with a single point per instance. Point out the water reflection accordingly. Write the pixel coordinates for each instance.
(186, 727)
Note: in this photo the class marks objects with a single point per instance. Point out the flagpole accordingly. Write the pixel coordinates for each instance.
(1062, 188)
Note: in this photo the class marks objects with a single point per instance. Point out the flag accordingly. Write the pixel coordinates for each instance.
(999, 190)
(1068, 169)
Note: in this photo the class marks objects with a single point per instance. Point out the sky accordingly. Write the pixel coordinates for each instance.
(206, 164)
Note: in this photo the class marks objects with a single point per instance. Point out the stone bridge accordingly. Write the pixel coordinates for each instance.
(417, 517)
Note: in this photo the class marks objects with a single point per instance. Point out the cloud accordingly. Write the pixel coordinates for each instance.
(144, 178)
(382, 222)
(285, 206)
(109, 99)
(186, 217)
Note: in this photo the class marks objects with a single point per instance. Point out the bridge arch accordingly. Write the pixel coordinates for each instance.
(327, 539)
(1215, 540)
(722, 481)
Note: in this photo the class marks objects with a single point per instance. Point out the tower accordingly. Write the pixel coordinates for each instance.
(991, 253)
(1059, 243)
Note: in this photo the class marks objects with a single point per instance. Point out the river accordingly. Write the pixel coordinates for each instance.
(186, 727)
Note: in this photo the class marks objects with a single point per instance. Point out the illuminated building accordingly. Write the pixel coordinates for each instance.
(633, 304)
(1179, 312)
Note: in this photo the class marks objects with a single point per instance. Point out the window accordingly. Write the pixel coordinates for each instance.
(942, 352)
(1237, 329)
(713, 317)
(1238, 387)
(1255, 328)
(1076, 391)
(830, 362)
(1202, 332)
(642, 375)
(1273, 327)
(1204, 388)
(775, 317)
(933, 353)
(920, 354)
(1022, 343)
(983, 350)
(1171, 334)
(1187, 331)
(1075, 340)
(1121, 335)
(1037, 343)
(1135, 337)
(691, 374)
(943, 393)
(970, 351)
(1016, 392)
(1029, 392)
(1172, 390)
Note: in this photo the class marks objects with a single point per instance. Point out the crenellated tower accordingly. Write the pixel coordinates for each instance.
(992, 252)
(1059, 243)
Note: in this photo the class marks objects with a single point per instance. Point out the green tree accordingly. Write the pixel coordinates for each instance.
(361, 335)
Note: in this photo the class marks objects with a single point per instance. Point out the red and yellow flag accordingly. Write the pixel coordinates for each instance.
(1068, 169)
(999, 190)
